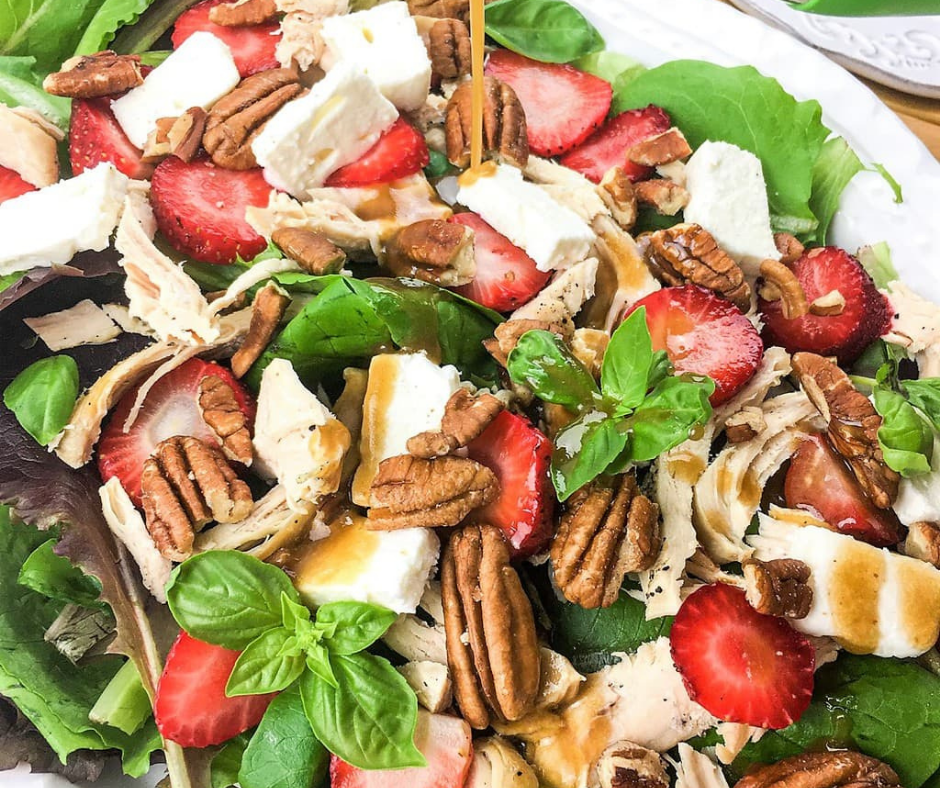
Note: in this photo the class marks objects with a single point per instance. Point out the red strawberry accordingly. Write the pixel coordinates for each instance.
(865, 317)
(445, 743)
(819, 482)
(169, 409)
(200, 208)
(608, 146)
(506, 276)
(95, 136)
(705, 335)
(400, 151)
(562, 104)
(191, 707)
(741, 665)
(252, 46)
(519, 455)
(12, 185)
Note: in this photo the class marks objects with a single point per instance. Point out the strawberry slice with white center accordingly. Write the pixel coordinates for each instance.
(12, 185)
(819, 482)
(253, 46)
(401, 151)
(520, 457)
(95, 137)
(741, 665)
(608, 146)
(705, 335)
(170, 408)
(562, 104)
(506, 277)
(191, 707)
(445, 743)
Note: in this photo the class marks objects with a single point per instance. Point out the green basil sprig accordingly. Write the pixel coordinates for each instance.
(357, 705)
(548, 30)
(43, 395)
(640, 410)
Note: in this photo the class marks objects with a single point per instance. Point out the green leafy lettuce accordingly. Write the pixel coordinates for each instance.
(21, 85)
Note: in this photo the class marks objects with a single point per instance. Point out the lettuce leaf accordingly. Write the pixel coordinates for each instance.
(21, 85)
(110, 17)
(836, 166)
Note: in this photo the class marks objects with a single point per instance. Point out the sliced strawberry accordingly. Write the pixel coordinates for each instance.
(169, 409)
(705, 335)
(200, 208)
(506, 276)
(252, 46)
(95, 137)
(191, 707)
(741, 665)
(608, 146)
(819, 482)
(442, 739)
(562, 104)
(401, 151)
(520, 456)
(12, 185)
(864, 318)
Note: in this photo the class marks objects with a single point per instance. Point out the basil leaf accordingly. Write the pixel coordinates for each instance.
(43, 395)
(924, 395)
(284, 753)
(55, 577)
(227, 598)
(906, 440)
(584, 450)
(660, 369)
(293, 615)
(548, 30)
(542, 361)
(223, 772)
(318, 662)
(369, 720)
(667, 416)
(263, 666)
(627, 361)
(358, 625)
(438, 165)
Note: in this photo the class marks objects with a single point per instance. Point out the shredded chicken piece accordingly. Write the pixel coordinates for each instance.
(564, 296)
(86, 323)
(697, 770)
(567, 187)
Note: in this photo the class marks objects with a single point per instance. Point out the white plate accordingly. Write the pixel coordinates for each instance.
(655, 32)
(902, 52)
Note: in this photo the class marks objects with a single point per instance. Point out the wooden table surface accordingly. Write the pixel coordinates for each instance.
(920, 114)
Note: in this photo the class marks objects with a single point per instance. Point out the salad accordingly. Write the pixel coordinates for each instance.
(379, 415)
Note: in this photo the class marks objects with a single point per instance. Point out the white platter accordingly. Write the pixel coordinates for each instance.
(655, 31)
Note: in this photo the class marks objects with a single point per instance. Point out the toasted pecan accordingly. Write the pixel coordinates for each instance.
(617, 192)
(180, 137)
(778, 588)
(449, 48)
(465, 418)
(441, 9)
(822, 770)
(223, 415)
(505, 135)
(433, 250)
(311, 250)
(781, 284)
(627, 765)
(666, 197)
(243, 13)
(267, 309)
(665, 148)
(92, 76)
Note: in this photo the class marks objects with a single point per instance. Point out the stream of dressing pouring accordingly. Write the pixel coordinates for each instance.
(477, 36)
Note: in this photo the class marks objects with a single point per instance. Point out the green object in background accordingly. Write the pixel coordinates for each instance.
(869, 7)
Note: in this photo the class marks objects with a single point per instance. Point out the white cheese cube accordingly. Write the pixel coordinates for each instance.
(385, 44)
(552, 235)
(309, 138)
(728, 197)
(918, 498)
(197, 74)
(50, 226)
(406, 395)
(388, 568)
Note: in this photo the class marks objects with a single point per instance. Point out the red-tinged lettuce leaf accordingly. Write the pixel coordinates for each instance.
(86, 264)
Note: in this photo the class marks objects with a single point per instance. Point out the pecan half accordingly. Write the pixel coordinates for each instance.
(822, 770)
(661, 149)
(747, 423)
(185, 485)
(832, 303)
(689, 253)
(441, 9)
(789, 247)
(609, 529)
(243, 13)
(267, 309)
(449, 48)
(92, 76)
(507, 335)
(311, 250)
(492, 648)
(781, 284)
(617, 192)
(465, 418)
(923, 542)
(665, 196)
(180, 137)
(628, 765)
(778, 588)
(221, 412)
(853, 425)
(434, 251)
(236, 119)
(439, 492)
(504, 127)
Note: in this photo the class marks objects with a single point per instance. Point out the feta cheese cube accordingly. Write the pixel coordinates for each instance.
(385, 44)
(309, 138)
(728, 197)
(552, 235)
(50, 226)
(388, 568)
(406, 395)
(197, 74)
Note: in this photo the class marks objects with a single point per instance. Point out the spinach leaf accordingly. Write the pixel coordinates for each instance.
(627, 361)
(43, 395)
(548, 30)
(267, 664)
(906, 440)
(924, 394)
(20, 86)
(836, 166)
(223, 771)
(283, 752)
(584, 450)
(541, 360)
(53, 576)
